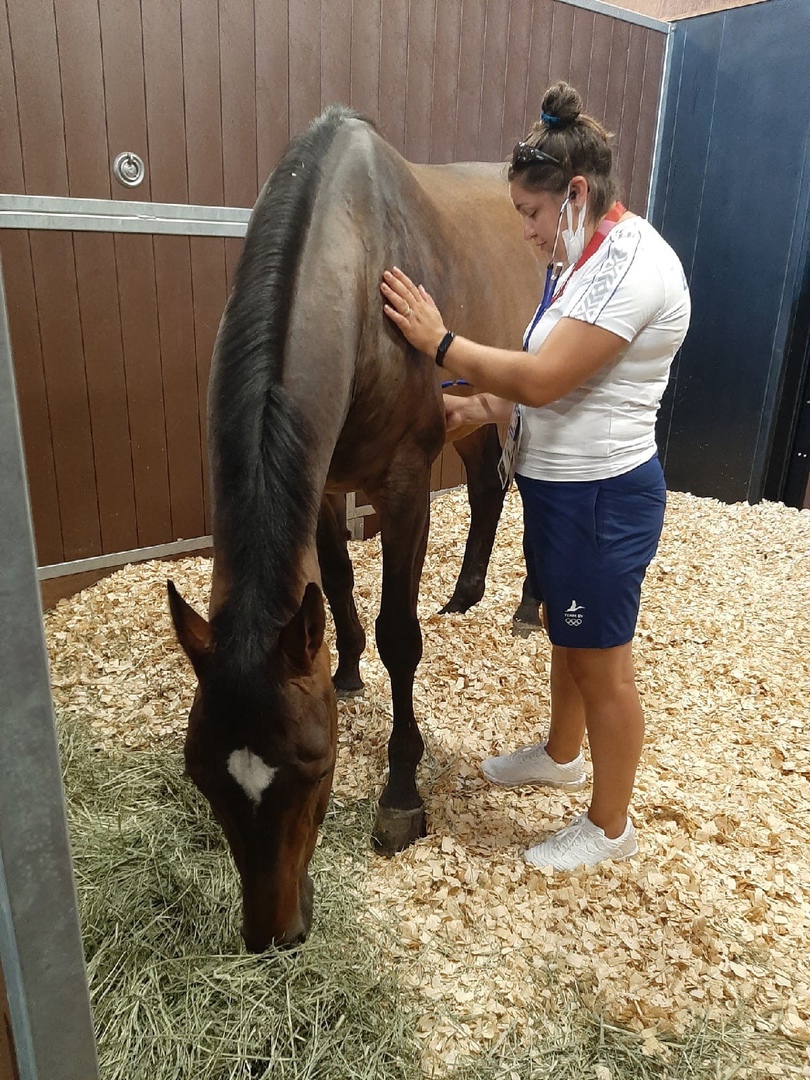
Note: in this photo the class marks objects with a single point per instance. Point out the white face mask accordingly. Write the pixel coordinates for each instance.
(574, 239)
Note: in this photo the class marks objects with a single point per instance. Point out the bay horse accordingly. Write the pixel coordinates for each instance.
(313, 393)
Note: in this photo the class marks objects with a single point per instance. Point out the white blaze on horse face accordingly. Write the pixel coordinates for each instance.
(251, 773)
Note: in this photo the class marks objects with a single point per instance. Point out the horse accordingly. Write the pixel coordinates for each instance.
(314, 394)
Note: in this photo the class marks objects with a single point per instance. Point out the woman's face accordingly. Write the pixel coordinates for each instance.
(540, 214)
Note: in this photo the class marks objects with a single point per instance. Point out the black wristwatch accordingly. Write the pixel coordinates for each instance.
(444, 345)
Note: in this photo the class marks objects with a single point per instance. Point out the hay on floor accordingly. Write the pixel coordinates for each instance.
(711, 919)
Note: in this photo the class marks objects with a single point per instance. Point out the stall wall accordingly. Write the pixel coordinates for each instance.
(732, 196)
(112, 335)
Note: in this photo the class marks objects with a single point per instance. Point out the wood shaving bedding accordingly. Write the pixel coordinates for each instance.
(712, 916)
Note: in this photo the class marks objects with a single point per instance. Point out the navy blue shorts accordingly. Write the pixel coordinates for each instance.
(588, 544)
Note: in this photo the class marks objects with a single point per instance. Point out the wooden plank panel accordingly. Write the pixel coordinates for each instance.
(202, 112)
(562, 36)
(39, 101)
(614, 98)
(517, 75)
(336, 52)
(445, 81)
(393, 71)
(209, 291)
(596, 95)
(32, 394)
(581, 46)
(419, 92)
(648, 115)
(180, 390)
(539, 59)
(79, 38)
(233, 249)
(494, 81)
(305, 69)
(272, 85)
(62, 353)
(365, 58)
(626, 137)
(106, 389)
(141, 343)
(124, 91)
(238, 89)
(11, 171)
(163, 70)
(470, 86)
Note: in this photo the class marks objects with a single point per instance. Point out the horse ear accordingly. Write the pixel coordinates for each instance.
(193, 632)
(302, 637)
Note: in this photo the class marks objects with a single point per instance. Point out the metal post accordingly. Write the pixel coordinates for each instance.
(40, 942)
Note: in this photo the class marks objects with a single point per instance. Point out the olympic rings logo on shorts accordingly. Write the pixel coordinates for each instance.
(573, 615)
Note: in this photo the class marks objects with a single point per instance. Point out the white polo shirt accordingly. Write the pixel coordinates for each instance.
(634, 285)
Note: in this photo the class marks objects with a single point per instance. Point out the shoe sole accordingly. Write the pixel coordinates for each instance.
(563, 785)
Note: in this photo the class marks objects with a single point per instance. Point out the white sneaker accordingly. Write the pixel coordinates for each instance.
(582, 844)
(532, 765)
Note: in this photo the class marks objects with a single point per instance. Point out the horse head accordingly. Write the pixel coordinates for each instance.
(260, 746)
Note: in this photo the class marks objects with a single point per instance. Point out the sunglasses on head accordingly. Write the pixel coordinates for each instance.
(525, 155)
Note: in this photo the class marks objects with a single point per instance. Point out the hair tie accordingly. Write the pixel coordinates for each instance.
(552, 121)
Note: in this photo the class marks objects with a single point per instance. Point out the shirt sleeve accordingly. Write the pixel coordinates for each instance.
(623, 293)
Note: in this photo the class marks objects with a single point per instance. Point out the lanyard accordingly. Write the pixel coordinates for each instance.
(550, 296)
(608, 222)
(553, 271)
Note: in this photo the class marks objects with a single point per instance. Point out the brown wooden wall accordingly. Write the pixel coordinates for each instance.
(112, 334)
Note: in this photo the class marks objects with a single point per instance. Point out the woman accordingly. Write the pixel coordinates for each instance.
(589, 382)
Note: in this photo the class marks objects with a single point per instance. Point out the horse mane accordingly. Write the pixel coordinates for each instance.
(261, 443)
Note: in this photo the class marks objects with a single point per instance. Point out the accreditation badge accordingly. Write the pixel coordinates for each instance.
(508, 462)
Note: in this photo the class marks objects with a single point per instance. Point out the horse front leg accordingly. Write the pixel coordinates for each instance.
(338, 584)
(480, 451)
(404, 516)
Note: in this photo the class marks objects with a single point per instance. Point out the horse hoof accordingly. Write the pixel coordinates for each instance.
(348, 686)
(347, 695)
(394, 830)
(452, 607)
(457, 605)
(523, 629)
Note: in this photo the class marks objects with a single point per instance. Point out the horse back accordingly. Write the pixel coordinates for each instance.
(453, 228)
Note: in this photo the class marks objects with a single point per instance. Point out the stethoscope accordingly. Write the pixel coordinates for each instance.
(552, 277)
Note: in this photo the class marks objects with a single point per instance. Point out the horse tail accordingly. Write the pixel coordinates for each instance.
(265, 502)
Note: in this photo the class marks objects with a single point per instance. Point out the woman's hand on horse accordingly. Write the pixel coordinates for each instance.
(457, 411)
(474, 410)
(411, 308)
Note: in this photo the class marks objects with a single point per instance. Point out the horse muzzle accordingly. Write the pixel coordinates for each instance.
(260, 931)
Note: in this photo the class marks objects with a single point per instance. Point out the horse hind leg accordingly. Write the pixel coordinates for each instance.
(338, 584)
(527, 618)
(480, 451)
(404, 514)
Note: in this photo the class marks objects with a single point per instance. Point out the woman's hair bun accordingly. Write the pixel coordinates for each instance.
(562, 105)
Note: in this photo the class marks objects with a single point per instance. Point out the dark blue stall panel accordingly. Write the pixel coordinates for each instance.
(731, 194)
